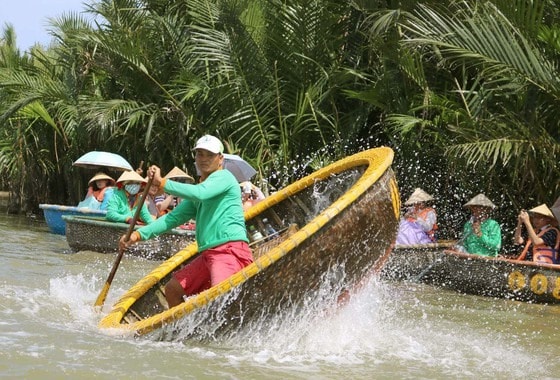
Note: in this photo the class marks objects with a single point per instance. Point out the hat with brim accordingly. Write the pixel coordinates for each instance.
(99, 176)
(418, 196)
(131, 176)
(543, 210)
(209, 143)
(480, 200)
(177, 173)
(556, 209)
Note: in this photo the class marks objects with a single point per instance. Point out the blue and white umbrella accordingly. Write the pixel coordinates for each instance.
(99, 159)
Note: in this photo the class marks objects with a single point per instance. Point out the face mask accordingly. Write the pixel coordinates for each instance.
(132, 188)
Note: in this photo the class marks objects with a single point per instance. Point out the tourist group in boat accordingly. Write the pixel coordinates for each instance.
(536, 233)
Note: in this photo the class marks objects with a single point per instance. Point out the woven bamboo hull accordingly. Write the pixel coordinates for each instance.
(53, 215)
(344, 231)
(474, 274)
(99, 235)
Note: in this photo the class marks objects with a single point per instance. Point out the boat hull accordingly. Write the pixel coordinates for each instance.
(473, 274)
(53, 215)
(343, 235)
(100, 235)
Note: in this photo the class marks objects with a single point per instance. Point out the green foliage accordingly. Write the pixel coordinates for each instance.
(458, 88)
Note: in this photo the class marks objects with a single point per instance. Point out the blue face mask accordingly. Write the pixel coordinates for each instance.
(132, 188)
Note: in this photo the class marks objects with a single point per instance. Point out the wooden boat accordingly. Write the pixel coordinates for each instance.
(338, 220)
(438, 264)
(53, 215)
(100, 235)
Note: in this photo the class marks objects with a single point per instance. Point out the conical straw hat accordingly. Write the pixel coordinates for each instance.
(418, 196)
(480, 200)
(543, 210)
(131, 176)
(178, 173)
(101, 175)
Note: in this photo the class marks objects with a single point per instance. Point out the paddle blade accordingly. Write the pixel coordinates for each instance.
(102, 295)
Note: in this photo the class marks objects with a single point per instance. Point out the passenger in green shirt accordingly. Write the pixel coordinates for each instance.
(124, 202)
(215, 205)
(481, 234)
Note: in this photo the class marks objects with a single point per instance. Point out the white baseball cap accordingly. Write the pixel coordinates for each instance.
(210, 143)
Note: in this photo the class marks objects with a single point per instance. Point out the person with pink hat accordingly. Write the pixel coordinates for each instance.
(215, 205)
(538, 230)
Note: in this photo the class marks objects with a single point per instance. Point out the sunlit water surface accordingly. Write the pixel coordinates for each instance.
(48, 328)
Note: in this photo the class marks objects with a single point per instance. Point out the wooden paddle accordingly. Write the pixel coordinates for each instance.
(101, 297)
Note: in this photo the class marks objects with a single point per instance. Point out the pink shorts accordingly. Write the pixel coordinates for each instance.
(213, 266)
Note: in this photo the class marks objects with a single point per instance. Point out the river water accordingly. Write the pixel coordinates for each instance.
(48, 328)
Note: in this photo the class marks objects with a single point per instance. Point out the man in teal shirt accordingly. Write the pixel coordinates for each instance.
(215, 205)
(481, 235)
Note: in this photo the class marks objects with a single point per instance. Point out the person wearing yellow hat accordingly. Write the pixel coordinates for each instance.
(122, 205)
(419, 223)
(482, 235)
(100, 190)
(538, 230)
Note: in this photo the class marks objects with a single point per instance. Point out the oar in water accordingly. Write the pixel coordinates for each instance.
(101, 297)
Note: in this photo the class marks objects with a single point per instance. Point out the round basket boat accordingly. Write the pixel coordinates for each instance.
(54, 215)
(101, 235)
(342, 217)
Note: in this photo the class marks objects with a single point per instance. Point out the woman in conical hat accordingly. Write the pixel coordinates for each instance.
(541, 236)
(166, 202)
(481, 234)
(419, 224)
(99, 192)
(122, 205)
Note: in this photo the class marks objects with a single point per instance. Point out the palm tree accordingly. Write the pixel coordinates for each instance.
(481, 92)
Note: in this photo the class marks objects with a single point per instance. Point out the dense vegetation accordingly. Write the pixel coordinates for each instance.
(466, 92)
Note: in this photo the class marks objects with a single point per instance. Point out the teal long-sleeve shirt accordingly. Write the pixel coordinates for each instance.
(486, 245)
(118, 209)
(215, 205)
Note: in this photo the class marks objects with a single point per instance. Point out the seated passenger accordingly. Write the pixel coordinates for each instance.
(481, 234)
(122, 205)
(538, 230)
(250, 195)
(99, 192)
(166, 202)
(419, 224)
(151, 202)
